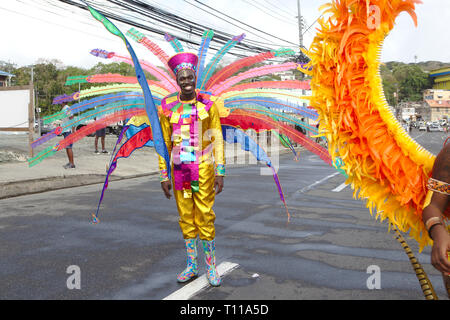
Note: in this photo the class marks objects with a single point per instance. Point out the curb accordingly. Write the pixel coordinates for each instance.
(32, 186)
(25, 187)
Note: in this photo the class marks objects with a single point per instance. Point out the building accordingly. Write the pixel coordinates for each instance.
(438, 100)
(436, 94)
(286, 75)
(408, 114)
(414, 111)
(439, 109)
(5, 79)
(441, 78)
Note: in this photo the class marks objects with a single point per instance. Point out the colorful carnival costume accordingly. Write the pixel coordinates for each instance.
(193, 133)
(259, 106)
(385, 166)
(152, 110)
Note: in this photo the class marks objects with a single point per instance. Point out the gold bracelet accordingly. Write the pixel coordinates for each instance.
(432, 221)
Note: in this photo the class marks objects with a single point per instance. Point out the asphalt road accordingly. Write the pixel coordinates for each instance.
(136, 251)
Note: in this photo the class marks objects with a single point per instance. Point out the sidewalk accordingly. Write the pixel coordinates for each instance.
(17, 179)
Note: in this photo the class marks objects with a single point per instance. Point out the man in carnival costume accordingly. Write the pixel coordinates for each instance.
(192, 132)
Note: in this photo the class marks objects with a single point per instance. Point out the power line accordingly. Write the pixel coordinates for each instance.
(145, 16)
(313, 23)
(282, 16)
(171, 20)
(49, 22)
(182, 23)
(259, 8)
(231, 24)
(279, 6)
(243, 22)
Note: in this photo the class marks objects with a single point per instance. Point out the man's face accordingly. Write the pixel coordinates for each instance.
(186, 81)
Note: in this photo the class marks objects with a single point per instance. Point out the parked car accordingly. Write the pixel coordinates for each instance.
(422, 126)
(46, 128)
(435, 126)
(115, 128)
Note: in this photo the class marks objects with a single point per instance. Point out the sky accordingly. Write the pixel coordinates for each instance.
(50, 29)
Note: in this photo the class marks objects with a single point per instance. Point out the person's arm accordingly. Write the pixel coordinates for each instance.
(166, 128)
(218, 146)
(73, 129)
(438, 232)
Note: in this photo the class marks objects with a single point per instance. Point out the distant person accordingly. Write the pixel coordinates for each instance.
(65, 133)
(318, 138)
(100, 134)
(436, 213)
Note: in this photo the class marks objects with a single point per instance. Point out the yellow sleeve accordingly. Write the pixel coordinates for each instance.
(427, 199)
(218, 143)
(167, 134)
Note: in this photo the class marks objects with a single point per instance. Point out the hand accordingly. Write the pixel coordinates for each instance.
(440, 248)
(166, 186)
(218, 184)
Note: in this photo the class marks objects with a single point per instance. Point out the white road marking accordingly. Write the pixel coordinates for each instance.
(318, 182)
(200, 283)
(419, 135)
(339, 188)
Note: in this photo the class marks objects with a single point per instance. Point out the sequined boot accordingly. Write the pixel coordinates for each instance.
(210, 258)
(191, 270)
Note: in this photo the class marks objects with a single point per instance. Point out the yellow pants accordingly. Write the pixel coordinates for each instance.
(196, 214)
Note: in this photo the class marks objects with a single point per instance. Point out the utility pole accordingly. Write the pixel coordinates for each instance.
(31, 113)
(300, 25)
(32, 75)
(300, 34)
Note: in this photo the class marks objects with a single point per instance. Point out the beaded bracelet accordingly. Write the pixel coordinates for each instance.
(163, 176)
(220, 170)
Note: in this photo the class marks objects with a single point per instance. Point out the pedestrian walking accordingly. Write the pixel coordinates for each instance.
(66, 132)
(100, 134)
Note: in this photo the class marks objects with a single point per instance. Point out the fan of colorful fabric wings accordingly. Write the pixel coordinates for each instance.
(257, 105)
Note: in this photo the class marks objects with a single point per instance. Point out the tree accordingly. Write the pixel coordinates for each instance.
(390, 84)
(409, 79)
(412, 81)
(7, 66)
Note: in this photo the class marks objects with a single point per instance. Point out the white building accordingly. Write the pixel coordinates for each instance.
(408, 113)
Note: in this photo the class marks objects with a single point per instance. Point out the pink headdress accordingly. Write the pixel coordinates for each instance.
(183, 60)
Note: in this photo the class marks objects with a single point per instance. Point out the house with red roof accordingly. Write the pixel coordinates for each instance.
(439, 109)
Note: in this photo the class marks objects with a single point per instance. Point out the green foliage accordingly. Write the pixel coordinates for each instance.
(120, 68)
(390, 84)
(7, 66)
(409, 80)
(50, 78)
